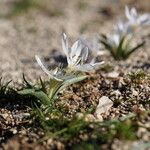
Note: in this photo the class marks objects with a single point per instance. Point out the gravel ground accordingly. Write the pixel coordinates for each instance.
(38, 31)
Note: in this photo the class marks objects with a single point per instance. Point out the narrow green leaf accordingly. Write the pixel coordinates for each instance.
(38, 94)
(53, 88)
(120, 51)
(63, 85)
(72, 81)
(109, 47)
(135, 48)
(43, 86)
(26, 82)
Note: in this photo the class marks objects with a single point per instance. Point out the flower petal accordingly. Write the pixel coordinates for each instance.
(65, 44)
(89, 67)
(66, 48)
(50, 74)
(127, 13)
(75, 55)
(76, 49)
(84, 54)
(144, 19)
(131, 14)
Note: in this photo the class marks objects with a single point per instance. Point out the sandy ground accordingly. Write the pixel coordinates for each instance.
(37, 32)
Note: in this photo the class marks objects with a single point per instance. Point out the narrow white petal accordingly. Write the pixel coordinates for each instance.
(65, 44)
(55, 71)
(98, 65)
(89, 67)
(127, 13)
(65, 47)
(133, 13)
(85, 68)
(45, 69)
(42, 66)
(144, 19)
(120, 26)
(114, 39)
(76, 51)
(85, 54)
(76, 48)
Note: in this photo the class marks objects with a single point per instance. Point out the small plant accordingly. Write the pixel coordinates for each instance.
(120, 43)
(50, 116)
(45, 110)
(60, 78)
(96, 131)
(139, 76)
(47, 6)
(120, 46)
(23, 6)
(77, 56)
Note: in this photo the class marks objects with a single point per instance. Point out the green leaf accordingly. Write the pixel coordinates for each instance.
(38, 94)
(26, 82)
(60, 86)
(135, 48)
(53, 88)
(108, 46)
(43, 86)
(72, 81)
(120, 51)
(4, 87)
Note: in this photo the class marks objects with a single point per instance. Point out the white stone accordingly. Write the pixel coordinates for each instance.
(104, 105)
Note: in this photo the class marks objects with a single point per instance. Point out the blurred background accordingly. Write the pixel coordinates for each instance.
(29, 27)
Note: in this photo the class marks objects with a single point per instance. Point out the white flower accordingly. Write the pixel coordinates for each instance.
(114, 40)
(121, 32)
(53, 74)
(77, 56)
(122, 28)
(135, 19)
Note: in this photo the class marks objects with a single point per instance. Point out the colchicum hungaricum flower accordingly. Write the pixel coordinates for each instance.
(120, 43)
(135, 19)
(122, 29)
(77, 56)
